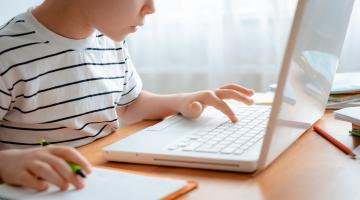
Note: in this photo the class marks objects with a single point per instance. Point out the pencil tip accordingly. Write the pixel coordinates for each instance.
(81, 173)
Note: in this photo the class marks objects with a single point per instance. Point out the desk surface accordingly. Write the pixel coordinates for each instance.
(312, 168)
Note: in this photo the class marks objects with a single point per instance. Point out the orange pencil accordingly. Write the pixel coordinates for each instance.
(338, 144)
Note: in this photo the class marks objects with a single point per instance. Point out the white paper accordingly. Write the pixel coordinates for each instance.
(102, 184)
(346, 82)
(349, 114)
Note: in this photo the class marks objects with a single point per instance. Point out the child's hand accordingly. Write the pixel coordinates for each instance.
(193, 104)
(35, 168)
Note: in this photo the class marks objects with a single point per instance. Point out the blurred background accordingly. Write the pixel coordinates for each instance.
(192, 45)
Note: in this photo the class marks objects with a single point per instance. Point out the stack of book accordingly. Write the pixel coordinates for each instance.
(352, 115)
(355, 130)
(345, 91)
(338, 101)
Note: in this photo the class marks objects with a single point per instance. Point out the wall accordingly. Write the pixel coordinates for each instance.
(10, 8)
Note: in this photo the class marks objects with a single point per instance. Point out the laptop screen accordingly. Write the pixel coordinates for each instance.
(308, 69)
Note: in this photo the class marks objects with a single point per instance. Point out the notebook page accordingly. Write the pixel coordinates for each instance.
(102, 184)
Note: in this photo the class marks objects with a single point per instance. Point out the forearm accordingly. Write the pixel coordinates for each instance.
(150, 106)
(1, 163)
(3, 154)
(190, 105)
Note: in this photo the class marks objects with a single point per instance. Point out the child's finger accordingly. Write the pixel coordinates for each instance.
(72, 155)
(63, 169)
(193, 110)
(209, 98)
(28, 180)
(232, 94)
(239, 88)
(47, 173)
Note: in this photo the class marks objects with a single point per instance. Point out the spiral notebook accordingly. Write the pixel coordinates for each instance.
(107, 184)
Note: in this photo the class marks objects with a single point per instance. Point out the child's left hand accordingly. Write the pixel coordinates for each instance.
(193, 104)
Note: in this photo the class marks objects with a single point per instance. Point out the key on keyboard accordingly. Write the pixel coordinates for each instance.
(229, 138)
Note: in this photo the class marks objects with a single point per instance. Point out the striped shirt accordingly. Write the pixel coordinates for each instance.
(62, 90)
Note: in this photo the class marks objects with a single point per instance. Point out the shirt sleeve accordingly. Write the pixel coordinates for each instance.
(5, 99)
(132, 84)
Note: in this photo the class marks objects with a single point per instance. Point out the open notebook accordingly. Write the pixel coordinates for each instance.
(107, 184)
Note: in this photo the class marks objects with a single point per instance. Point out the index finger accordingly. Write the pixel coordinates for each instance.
(216, 102)
(239, 88)
(72, 155)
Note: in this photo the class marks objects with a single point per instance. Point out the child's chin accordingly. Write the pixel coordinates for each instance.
(118, 38)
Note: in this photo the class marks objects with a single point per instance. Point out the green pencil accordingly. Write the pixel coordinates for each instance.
(355, 133)
(74, 167)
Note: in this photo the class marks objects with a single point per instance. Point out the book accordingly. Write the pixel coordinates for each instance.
(355, 130)
(345, 83)
(340, 105)
(351, 115)
(345, 90)
(107, 184)
(344, 97)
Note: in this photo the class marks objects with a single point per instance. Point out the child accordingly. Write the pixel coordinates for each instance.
(66, 76)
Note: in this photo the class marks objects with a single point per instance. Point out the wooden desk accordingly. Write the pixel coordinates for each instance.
(312, 168)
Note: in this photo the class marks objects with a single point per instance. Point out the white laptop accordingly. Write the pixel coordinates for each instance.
(263, 132)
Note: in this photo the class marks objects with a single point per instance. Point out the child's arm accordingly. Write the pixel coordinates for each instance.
(37, 167)
(191, 105)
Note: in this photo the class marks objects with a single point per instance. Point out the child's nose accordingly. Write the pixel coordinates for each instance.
(149, 8)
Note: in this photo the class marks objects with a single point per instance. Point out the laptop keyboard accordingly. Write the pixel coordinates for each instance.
(228, 138)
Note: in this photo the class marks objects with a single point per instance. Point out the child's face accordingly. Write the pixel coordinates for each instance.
(117, 18)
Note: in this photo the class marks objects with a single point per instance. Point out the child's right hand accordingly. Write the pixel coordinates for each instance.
(36, 168)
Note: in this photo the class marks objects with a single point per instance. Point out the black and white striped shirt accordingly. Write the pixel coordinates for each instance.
(62, 90)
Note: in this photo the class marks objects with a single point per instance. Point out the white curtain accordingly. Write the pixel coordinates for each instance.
(191, 45)
(10, 8)
(350, 59)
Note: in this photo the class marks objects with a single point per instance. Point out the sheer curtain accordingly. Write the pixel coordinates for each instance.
(191, 45)
(350, 60)
(10, 8)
